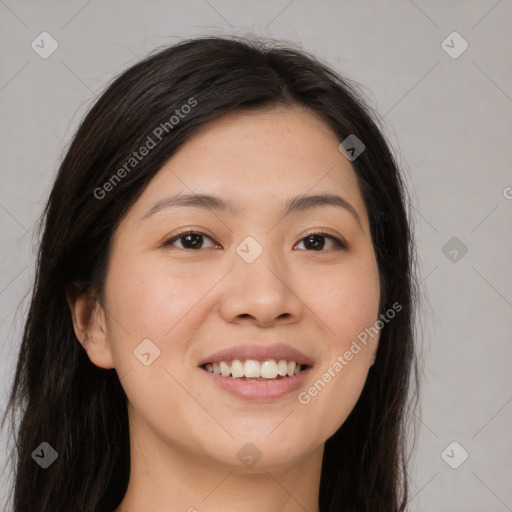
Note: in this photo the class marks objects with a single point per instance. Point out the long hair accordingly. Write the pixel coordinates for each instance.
(79, 409)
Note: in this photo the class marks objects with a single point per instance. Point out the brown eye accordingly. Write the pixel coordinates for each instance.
(316, 241)
(189, 240)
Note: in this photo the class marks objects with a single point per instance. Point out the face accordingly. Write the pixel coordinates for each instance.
(247, 275)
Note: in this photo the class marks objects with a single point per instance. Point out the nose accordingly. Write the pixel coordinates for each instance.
(261, 293)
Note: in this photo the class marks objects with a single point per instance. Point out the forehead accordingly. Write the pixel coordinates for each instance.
(258, 158)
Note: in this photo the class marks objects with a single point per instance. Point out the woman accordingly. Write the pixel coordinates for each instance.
(223, 309)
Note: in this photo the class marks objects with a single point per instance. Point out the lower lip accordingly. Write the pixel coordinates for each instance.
(260, 390)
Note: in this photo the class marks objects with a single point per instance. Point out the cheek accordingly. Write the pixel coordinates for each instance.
(346, 300)
(148, 299)
(348, 305)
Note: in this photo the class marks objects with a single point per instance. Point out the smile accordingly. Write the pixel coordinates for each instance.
(253, 370)
(258, 388)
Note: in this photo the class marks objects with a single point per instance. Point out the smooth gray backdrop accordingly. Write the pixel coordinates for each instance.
(447, 111)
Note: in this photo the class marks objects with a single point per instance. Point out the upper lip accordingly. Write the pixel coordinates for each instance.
(258, 352)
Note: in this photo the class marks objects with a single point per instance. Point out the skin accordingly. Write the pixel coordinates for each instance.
(185, 434)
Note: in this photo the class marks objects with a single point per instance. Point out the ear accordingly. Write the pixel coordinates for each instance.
(89, 323)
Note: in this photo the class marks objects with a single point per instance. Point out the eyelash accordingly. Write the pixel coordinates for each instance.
(340, 243)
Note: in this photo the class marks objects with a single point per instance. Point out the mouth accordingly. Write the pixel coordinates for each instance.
(252, 370)
(257, 372)
(265, 387)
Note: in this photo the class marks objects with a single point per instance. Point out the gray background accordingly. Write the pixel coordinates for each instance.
(448, 119)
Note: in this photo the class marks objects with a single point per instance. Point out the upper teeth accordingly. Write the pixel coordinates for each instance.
(268, 369)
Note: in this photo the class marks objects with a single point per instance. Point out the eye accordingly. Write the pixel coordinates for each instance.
(194, 240)
(316, 241)
(189, 239)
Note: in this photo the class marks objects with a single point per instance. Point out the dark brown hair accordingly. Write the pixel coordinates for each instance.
(80, 409)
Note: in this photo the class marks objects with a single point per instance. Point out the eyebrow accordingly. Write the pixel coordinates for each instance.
(211, 202)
